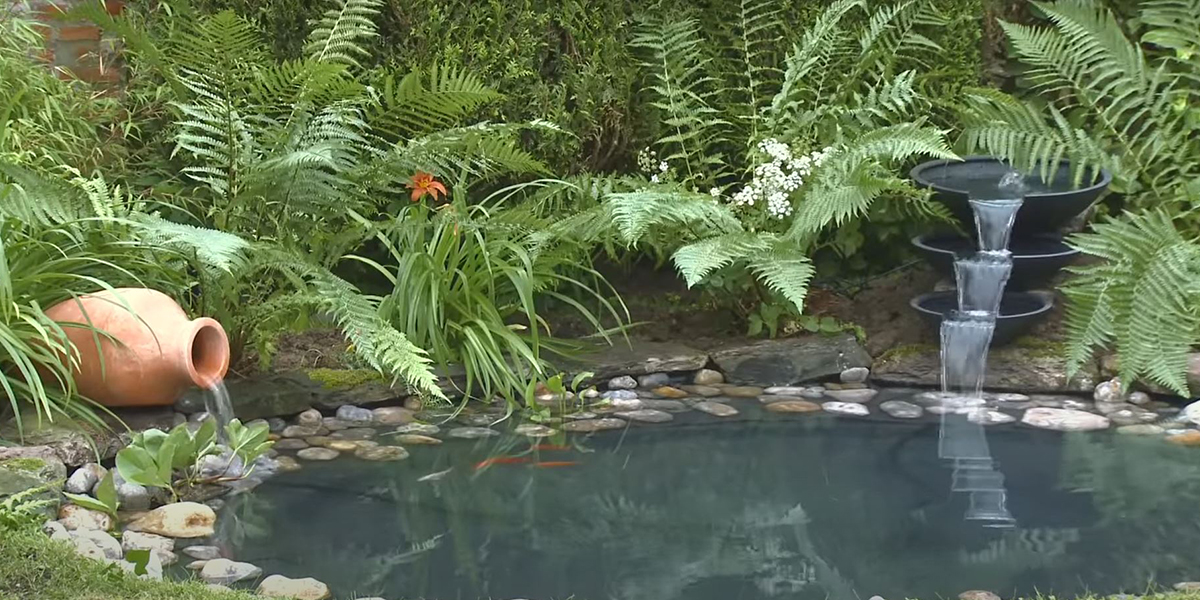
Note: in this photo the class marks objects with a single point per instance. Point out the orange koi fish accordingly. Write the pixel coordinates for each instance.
(556, 463)
(501, 460)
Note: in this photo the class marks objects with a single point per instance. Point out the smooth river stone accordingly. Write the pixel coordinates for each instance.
(899, 409)
(743, 391)
(857, 396)
(855, 375)
(784, 390)
(716, 409)
(593, 425)
(793, 406)
(667, 391)
(302, 431)
(418, 428)
(1062, 419)
(1132, 416)
(708, 377)
(851, 409)
(287, 464)
(1141, 429)
(393, 415)
(665, 405)
(706, 391)
(472, 433)
(291, 444)
(625, 404)
(318, 454)
(342, 445)
(336, 424)
(416, 439)
(382, 453)
(534, 430)
(361, 433)
(621, 394)
(224, 571)
(623, 382)
(646, 415)
(653, 380)
(988, 416)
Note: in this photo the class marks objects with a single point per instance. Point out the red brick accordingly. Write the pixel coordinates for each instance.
(73, 33)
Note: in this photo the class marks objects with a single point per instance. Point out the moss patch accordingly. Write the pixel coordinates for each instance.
(33, 566)
(1036, 347)
(28, 465)
(906, 350)
(343, 379)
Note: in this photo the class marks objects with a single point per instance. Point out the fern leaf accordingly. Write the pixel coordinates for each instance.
(696, 260)
(786, 269)
(339, 35)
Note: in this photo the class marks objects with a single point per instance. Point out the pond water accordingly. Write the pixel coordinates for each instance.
(756, 506)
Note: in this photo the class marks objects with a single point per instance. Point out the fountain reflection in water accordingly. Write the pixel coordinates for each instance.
(965, 338)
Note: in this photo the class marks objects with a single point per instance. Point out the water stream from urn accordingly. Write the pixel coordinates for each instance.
(218, 406)
(966, 336)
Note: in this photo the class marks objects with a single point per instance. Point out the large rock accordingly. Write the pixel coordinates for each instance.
(790, 360)
(289, 393)
(163, 546)
(179, 520)
(18, 475)
(71, 445)
(1011, 368)
(224, 571)
(85, 478)
(278, 586)
(74, 517)
(1062, 419)
(639, 358)
(87, 539)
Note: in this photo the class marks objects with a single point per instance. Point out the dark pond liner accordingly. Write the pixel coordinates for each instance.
(1048, 206)
(1018, 311)
(1036, 258)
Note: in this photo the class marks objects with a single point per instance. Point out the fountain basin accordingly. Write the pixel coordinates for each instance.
(1048, 205)
(1018, 311)
(1036, 258)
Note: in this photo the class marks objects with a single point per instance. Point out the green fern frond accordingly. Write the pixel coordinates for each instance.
(697, 259)
(1173, 24)
(635, 213)
(480, 151)
(786, 269)
(420, 102)
(339, 35)
(212, 248)
(807, 65)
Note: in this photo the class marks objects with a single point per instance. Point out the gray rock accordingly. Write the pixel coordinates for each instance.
(1106, 408)
(851, 409)
(224, 571)
(1108, 391)
(708, 377)
(87, 539)
(472, 433)
(73, 517)
(899, 409)
(393, 415)
(336, 424)
(358, 433)
(640, 358)
(706, 391)
(1142, 429)
(278, 586)
(276, 424)
(381, 453)
(623, 382)
(593, 425)
(858, 396)
(1009, 368)
(478, 419)
(1132, 416)
(1188, 586)
(977, 595)
(131, 495)
(665, 405)
(164, 547)
(318, 454)
(1061, 419)
(418, 429)
(582, 415)
(534, 430)
(619, 395)
(742, 391)
(653, 380)
(1139, 398)
(55, 530)
(302, 431)
(310, 418)
(203, 552)
(715, 409)
(784, 390)
(988, 416)
(855, 375)
(291, 444)
(646, 416)
(772, 398)
(789, 361)
(224, 465)
(85, 478)
(354, 414)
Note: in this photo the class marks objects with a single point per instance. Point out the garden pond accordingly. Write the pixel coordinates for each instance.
(761, 504)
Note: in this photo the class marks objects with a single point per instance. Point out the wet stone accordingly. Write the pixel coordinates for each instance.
(857, 396)
(646, 415)
(855, 375)
(472, 433)
(665, 405)
(336, 424)
(291, 444)
(706, 391)
(1141, 429)
(224, 571)
(626, 404)
(534, 430)
(392, 415)
(202, 552)
(845, 386)
(477, 420)
(1061, 419)
(1133, 416)
(276, 424)
(793, 406)
(342, 445)
(654, 380)
(988, 416)
(302, 431)
(667, 391)
(84, 478)
(317, 440)
(1108, 392)
(931, 398)
(581, 416)
(382, 453)
(784, 390)
(418, 428)
(715, 409)
(361, 433)
(593, 425)
(899, 409)
(623, 382)
(310, 418)
(850, 409)
(619, 394)
(416, 439)
(355, 414)
(772, 398)
(318, 454)
(708, 377)
(1139, 398)
(287, 464)
(1107, 408)
(743, 391)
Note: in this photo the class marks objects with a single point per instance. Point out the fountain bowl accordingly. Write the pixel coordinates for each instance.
(1048, 205)
(1018, 311)
(1036, 258)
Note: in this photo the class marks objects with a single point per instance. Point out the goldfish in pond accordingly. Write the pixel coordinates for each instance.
(556, 463)
(501, 460)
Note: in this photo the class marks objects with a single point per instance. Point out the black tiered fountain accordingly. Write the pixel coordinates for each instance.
(1036, 248)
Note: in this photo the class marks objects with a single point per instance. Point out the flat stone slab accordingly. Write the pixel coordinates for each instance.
(646, 415)
(594, 425)
(1063, 419)
(793, 406)
(1009, 369)
(849, 409)
(788, 361)
(643, 358)
(715, 409)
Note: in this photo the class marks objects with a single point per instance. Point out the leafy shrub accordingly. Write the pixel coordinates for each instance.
(1107, 100)
(170, 460)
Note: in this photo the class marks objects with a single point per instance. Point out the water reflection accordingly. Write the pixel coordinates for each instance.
(807, 507)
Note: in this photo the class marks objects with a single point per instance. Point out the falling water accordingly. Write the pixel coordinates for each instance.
(216, 402)
(966, 336)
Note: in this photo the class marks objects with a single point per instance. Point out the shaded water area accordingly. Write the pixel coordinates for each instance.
(757, 506)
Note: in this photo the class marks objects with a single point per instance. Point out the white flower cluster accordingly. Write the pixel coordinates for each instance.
(647, 161)
(775, 181)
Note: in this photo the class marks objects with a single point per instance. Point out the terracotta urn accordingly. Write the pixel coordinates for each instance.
(149, 352)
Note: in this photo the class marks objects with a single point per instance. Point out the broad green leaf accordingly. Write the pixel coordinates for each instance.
(580, 378)
(106, 493)
(139, 558)
(137, 465)
(89, 503)
(185, 447)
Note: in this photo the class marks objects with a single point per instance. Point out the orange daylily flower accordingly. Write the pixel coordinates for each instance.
(424, 183)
